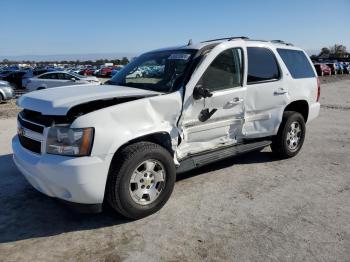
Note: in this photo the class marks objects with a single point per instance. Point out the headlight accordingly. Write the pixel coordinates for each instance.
(69, 141)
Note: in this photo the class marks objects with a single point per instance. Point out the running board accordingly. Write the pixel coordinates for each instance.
(202, 159)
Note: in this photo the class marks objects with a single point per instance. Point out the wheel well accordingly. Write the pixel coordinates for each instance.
(163, 139)
(300, 106)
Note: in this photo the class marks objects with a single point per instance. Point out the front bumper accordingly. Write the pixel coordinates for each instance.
(74, 179)
(8, 94)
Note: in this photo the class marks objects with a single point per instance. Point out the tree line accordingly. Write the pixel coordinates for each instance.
(336, 50)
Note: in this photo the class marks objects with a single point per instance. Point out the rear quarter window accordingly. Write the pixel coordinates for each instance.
(297, 63)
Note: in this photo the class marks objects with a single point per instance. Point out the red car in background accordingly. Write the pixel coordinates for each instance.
(106, 71)
(87, 72)
(333, 68)
(323, 69)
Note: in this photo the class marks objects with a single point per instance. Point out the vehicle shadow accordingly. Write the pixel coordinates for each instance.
(26, 213)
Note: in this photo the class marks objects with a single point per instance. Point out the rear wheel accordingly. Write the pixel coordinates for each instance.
(290, 136)
(141, 180)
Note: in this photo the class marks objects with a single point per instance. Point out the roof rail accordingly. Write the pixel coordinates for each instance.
(281, 42)
(226, 38)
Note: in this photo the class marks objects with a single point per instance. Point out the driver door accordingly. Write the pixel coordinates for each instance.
(215, 121)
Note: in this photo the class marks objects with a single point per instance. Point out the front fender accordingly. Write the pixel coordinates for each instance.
(119, 124)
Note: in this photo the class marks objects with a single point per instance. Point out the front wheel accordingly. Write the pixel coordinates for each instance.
(141, 180)
(290, 136)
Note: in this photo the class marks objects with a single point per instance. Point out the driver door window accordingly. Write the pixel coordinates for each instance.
(224, 72)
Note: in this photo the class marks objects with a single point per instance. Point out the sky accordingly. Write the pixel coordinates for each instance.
(44, 27)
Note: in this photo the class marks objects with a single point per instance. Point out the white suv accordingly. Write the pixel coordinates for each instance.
(124, 142)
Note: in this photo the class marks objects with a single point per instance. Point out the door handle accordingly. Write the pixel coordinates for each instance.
(280, 91)
(235, 101)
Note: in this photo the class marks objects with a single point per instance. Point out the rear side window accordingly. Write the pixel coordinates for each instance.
(297, 63)
(262, 65)
(48, 76)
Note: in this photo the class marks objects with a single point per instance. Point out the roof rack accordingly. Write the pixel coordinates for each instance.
(226, 38)
(281, 42)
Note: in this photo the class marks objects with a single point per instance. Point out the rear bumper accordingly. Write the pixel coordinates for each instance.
(73, 179)
(314, 111)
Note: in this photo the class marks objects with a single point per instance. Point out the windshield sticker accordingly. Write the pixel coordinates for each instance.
(179, 56)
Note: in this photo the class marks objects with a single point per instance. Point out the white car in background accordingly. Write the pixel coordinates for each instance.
(59, 78)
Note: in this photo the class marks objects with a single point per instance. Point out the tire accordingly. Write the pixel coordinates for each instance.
(131, 165)
(1, 98)
(282, 146)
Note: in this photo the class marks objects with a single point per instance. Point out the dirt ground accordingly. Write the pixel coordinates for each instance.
(249, 208)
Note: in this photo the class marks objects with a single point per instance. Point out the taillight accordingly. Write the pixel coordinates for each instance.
(318, 90)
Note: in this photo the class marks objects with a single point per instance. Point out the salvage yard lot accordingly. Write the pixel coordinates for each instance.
(249, 208)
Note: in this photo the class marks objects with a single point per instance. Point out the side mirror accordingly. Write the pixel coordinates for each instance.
(200, 92)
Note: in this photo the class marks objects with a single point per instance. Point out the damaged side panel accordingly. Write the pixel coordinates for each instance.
(264, 108)
(117, 125)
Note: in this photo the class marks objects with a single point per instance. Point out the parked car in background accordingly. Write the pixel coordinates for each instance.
(333, 68)
(322, 69)
(4, 73)
(115, 71)
(87, 71)
(339, 67)
(60, 78)
(137, 73)
(106, 71)
(15, 78)
(346, 66)
(6, 91)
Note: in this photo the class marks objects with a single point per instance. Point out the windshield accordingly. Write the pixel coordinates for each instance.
(161, 71)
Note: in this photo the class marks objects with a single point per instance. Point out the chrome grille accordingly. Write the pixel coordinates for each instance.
(30, 134)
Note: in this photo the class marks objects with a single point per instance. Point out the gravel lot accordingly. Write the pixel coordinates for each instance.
(250, 208)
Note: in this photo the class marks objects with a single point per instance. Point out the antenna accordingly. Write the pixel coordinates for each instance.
(189, 42)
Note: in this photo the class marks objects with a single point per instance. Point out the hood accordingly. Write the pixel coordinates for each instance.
(4, 83)
(59, 100)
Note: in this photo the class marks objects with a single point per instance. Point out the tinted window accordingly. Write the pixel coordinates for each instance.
(224, 72)
(49, 76)
(262, 65)
(297, 63)
(61, 76)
